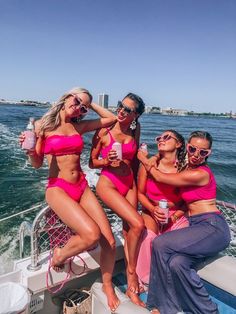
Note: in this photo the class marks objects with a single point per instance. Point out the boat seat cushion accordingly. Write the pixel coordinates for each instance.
(99, 302)
(221, 272)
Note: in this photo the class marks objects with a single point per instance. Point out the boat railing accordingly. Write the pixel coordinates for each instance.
(229, 212)
(48, 231)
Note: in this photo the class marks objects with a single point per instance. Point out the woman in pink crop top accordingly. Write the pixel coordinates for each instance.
(171, 147)
(117, 179)
(60, 138)
(176, 254)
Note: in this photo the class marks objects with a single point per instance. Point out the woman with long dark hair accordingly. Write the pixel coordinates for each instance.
(116, 186)
(171, 148)
(174, 283)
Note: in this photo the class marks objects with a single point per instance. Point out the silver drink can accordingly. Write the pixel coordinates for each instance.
(118, 148)
(143, 146)
(163, 204)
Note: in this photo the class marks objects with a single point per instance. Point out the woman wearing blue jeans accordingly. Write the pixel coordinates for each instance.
(174, 283)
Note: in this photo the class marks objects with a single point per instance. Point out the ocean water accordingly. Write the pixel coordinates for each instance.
(22, 187)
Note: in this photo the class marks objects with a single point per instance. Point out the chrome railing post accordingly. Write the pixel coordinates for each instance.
(25, 229)
(34, 240)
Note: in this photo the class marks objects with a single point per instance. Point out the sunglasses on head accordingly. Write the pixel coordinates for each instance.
(164, 138)
(201, 151)
(83, 109)
(126, 109)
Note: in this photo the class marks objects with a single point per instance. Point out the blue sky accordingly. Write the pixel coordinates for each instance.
(177, 53)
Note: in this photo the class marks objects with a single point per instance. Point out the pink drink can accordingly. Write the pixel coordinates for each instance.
(143, 146)
(30, 140)
(163, 204)
(118, 148)
(30, 137)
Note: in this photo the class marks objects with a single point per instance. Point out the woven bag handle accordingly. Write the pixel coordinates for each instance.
(69, 309)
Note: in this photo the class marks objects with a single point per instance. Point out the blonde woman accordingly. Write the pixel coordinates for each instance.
(59, 138)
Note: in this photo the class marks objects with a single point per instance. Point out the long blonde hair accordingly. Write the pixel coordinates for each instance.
(51, 120)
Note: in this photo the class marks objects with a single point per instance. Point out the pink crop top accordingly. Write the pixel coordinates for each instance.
(128, 149)
(157, 191)
(59, 145)
(196, 193)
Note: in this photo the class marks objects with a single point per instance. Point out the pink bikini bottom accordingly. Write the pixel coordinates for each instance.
(122, 183)
(74, 190)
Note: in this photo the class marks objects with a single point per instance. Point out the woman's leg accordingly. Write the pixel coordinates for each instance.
(107, 241)
(134, 287)
(123, 208)
(174, 284)
(74, 216)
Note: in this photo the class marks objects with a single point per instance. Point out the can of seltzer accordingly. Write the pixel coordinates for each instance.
(163, 204)
(118, 148)
(143, 146)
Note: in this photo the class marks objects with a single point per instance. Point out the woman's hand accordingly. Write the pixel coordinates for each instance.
(111, 159)
(158, 215)
(29, 152)
(21, 138)
(142, 156)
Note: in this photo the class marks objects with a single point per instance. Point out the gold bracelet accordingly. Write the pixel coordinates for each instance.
(175, 218)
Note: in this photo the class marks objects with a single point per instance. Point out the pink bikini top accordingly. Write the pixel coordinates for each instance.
(59, 145)
(157, 191)
(195, 193)
(128, 149)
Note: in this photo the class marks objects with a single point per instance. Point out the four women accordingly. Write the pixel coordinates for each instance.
(174, 284)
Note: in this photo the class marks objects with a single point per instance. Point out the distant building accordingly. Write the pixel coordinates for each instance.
(103, 100)
(156, 110)
(174, 112)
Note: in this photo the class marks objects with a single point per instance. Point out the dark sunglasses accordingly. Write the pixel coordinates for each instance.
(164, 138)
(202, 152)
(82, 108)
(126, 109)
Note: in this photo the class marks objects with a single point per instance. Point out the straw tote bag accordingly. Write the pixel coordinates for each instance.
(82, 304)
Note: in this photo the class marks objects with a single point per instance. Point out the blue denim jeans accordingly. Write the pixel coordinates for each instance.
(174, 284)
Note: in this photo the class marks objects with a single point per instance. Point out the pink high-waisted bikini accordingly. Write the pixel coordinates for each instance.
(122, 183)
(59, 145)
(74, 190)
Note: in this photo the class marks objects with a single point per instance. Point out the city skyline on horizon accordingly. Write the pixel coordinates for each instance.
(112, 106)
(167, 52)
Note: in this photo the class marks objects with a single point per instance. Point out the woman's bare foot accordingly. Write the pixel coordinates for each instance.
(135, 298)
(57, 260)
(133, 283)
(133, 289)
(112, 299)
